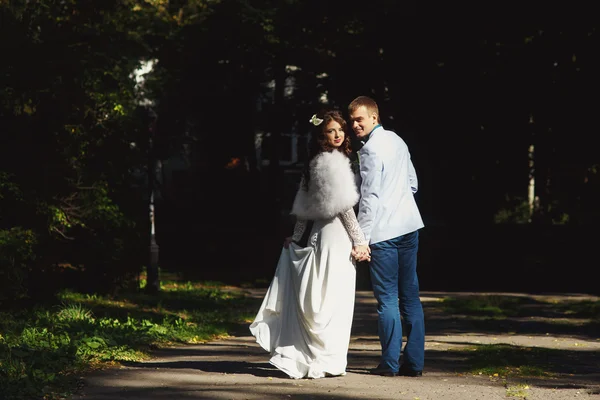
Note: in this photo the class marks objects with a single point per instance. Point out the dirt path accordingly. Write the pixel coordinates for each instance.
(236, 368)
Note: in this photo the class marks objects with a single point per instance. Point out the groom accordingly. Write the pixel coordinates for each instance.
(390, 219)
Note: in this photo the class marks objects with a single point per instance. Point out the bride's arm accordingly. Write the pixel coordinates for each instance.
(299, 228)
(353, 228)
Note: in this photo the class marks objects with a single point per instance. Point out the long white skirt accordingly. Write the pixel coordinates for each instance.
(306, 316)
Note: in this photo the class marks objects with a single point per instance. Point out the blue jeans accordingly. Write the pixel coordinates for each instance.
(395, 283)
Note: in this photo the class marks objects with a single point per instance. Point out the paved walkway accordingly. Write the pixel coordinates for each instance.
(236, 367)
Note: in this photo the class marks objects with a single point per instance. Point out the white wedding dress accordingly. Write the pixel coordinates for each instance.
(305, 319)
(306, 316)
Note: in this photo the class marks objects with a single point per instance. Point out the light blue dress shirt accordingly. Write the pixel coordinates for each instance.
(387, 207)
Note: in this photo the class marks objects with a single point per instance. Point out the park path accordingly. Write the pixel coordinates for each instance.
(236, 367)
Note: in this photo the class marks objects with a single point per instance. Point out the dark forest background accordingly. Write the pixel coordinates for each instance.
(204, 131)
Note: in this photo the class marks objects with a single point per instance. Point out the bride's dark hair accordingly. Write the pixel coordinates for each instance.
(318, 140)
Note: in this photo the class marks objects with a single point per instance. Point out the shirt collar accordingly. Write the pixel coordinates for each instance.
(364, 140)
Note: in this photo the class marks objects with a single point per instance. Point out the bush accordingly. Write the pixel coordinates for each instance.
(16, 252)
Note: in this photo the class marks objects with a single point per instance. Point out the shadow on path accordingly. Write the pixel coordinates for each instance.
(222, 367)
(538, 333)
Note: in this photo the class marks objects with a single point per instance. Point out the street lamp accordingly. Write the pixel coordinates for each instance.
(139, 74)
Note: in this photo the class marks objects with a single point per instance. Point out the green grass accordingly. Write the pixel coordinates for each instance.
(580, 309)
(491, 306)
(501, 360)
(506, 361)
(43, 349)
(500, 306)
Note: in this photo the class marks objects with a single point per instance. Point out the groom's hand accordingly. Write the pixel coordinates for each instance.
(361, 252)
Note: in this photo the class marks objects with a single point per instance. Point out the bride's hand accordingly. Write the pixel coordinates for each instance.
(287, 241)
(361, 258)
(361, 253)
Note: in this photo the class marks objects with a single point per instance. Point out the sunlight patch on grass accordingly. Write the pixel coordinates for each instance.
(491, 306)
(502, 360)
(581, 309)
(189, 286)
(95, 300)
(45, 347)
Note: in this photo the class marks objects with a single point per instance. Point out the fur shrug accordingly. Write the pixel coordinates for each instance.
(331, 189)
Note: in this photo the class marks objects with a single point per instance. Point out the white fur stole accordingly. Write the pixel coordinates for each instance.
(331, 189)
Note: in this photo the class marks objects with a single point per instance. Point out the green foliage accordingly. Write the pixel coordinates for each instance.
(74, 312)
(580, 309)
(8, 187)
(491, 306)
(74, 112)
(33, 359)
(75, 138)
(515, 212)
(16, 252)
(510, 361)
(43, 349)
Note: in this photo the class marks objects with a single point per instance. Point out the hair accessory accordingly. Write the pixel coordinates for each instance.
(315, 121)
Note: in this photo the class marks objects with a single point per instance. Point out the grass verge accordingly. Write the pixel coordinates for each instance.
(43, 350)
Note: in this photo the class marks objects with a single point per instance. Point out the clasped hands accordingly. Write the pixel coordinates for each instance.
(361, 252)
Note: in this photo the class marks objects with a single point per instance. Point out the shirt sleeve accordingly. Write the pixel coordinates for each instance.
(412, 177)
(352, 227)
(371, 168)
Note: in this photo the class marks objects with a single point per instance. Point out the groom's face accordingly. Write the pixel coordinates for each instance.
(362, 121)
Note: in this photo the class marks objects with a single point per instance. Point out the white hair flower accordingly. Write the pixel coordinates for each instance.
(315, 121)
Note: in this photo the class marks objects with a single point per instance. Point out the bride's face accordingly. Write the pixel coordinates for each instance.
(334, 134)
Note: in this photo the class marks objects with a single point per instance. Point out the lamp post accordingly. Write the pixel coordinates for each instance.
(139, 74)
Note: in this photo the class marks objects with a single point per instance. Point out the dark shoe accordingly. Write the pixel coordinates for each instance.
(382, 372)
(409, 372)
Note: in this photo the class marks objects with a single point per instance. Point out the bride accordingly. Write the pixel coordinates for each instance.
(305, 319)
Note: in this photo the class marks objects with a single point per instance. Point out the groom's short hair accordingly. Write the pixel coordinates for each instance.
(367, 102)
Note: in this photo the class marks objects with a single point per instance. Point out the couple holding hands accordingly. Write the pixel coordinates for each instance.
(305, 319)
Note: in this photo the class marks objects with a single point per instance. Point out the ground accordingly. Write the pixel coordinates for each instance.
(544, 338)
